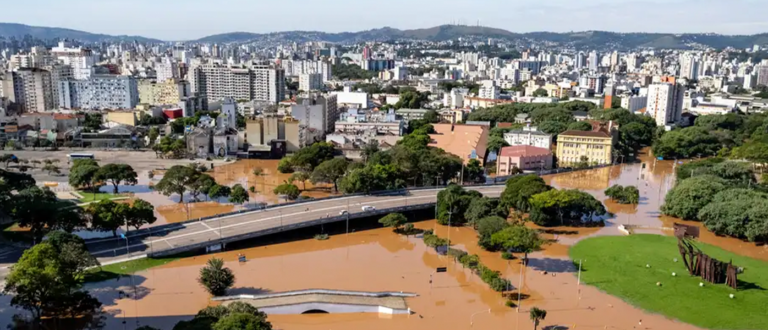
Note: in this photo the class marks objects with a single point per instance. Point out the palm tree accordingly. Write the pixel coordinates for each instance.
(537, 315)
(216, 278)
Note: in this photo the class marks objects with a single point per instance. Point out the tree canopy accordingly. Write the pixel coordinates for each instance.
(393, 220)
(623, 195)
(519, 190)
(691, 195)
(238, 195)
(289, 191)
(215, 278)
(306, 159)
(330, 171)
(48, 278)
(452, 205)
(560, 207)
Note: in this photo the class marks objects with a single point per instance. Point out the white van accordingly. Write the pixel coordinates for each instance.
(368, 208)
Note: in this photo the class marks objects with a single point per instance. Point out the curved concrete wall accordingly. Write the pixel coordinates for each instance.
(330, 308)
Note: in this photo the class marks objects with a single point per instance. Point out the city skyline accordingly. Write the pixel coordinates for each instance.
(171, 21)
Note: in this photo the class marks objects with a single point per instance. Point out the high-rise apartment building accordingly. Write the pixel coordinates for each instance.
(665, 101)
(162, 93)
(489, 90)
(580, 61)
(330, 109)
(634, 61)
(59, 73)
(166, 70)
(593, 61)
(310, 82)
(80, 59)
(689, 67)
(31, 89)
(762, 75)
(614, 59)
(242, 82)
(99, 92)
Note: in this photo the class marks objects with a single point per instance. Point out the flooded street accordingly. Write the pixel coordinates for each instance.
(168, 210)
(241, 172)
(376, 260)
(379, 260)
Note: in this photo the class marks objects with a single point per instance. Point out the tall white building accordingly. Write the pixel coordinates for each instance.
(167, 69)
(633, 62)
(581, 60)
(59, 73)
(614, 59)
(750, 81)
(665, 102)
(80, 59)
(689, 67)
(228, 116)
(593, 61)
(489, 90)
(634, 103)
(100, 92)
(310, 82)
(400, 73)
(31, 89)
(310, 116)
(762, 75)
(455, 99)
(242, 82)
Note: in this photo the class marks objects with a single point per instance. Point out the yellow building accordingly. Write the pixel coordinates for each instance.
(129, 118)
(596, 146)
(167, 92)
(261, 130)
(253, 131)
(292, 134)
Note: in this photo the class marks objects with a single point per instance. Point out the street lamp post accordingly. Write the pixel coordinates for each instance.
(471, 318)
(347, 215)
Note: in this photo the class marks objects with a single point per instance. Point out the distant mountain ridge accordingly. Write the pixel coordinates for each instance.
(18, 31)
(579, 40)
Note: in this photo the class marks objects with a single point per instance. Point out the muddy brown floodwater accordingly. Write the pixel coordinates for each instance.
(182, 212)
(379, 260)
(241, 172)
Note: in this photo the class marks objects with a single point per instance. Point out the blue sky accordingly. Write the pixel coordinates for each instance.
(191, 19)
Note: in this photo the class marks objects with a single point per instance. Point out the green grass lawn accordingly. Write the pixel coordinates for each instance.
(125, 268)
(617, 265)
(90, 197)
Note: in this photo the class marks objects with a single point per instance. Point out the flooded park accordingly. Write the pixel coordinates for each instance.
(369, 258)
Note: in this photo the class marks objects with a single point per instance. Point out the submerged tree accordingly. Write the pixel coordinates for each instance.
(215, 278)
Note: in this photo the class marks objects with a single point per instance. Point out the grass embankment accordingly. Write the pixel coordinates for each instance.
(118, 270)
(617, 265)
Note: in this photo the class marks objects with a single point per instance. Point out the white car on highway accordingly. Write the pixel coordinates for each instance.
(368, 208)
(343, 212)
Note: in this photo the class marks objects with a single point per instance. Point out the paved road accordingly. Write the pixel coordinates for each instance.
(209, 232)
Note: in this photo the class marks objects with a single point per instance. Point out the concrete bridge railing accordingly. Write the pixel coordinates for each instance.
(264, 232)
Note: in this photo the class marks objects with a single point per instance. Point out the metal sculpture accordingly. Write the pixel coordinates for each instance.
(700, 264)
